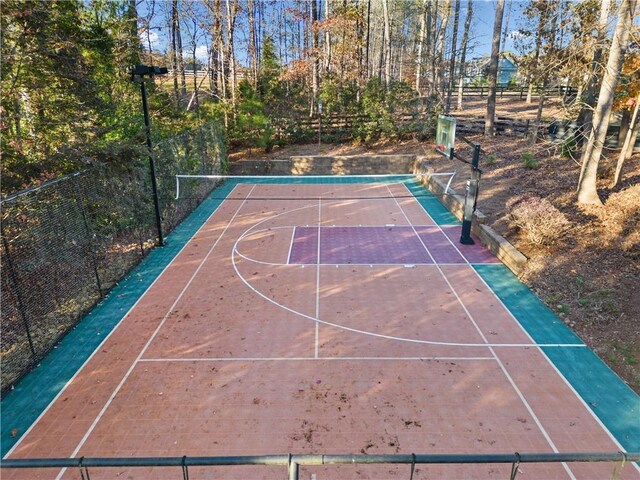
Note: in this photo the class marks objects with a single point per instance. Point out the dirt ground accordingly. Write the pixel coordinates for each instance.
(590, 276)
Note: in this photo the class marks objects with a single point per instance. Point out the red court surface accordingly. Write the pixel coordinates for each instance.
(270, 335)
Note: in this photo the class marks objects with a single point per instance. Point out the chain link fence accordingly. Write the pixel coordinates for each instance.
(68, 241)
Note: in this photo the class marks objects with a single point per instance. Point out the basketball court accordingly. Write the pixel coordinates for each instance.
(333, 316)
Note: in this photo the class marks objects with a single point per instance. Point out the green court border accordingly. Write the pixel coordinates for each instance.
(611, 400)
(604, 393)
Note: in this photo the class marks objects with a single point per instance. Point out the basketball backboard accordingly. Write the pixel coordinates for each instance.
(446, 135)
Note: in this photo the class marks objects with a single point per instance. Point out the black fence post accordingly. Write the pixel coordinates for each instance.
(16, 289)
(152, 167)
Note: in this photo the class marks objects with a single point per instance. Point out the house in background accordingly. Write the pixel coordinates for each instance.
(478, 69)
(507, 71)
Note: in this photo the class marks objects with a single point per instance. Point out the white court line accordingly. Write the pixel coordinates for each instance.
(539, 346)
(484, 338)
(293, 236)
(98, 348)
(153, 336)
(318, 279)
(296, 359)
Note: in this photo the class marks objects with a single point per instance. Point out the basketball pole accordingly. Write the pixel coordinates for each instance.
(471, 198)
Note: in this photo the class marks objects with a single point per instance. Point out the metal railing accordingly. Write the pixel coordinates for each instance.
(294, 462)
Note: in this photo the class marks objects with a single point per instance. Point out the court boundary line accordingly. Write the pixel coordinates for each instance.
(538, 346)
(151, 338)
(177, 255)
(113, 330)
(515, 387)
(317, 327)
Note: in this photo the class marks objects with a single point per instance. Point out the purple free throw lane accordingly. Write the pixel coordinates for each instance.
(304, 250)
(476, 253)
(439, 245)
(372, 245)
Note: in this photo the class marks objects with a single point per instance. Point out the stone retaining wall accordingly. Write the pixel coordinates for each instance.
(326, 165)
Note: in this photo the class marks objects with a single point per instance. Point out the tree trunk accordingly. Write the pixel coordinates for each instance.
(489, 126)
(315, 81)
(585, 116)
(421, 37)
(387, 42)
(454, 48)
(463, 54)
(18, 125)
(216, 32)
(135, 47)
(253, 55)
(533, 135)
(432, 35)
(625, 120)
(368, 41)
(629, 142)
(381, 56)
(505, 24)
(178, 38)
(549, 33)
(533, 73)
(327, 40)
(175, 67)
(587, 193)
(231, 57)
(439, 51)
(195, 66)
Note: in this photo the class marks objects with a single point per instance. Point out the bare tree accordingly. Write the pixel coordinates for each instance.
(438, 55)
(175, 65)
(215, 60)
(546, 34)
(454, 47)
(232, 10)
(463, 53)
(315, 73)
(368, 40)
(177, 46)
(587, 193)
(629, 142)
(589, 94)
(489, 126)
(421, 39)
(253, 49)
(387, 42)
(327, 39)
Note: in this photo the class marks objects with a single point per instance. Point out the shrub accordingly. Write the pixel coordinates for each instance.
(529, 161)
(569, 147)
(540, 222)
(491, 159)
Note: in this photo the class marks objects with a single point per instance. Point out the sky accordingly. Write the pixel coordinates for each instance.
(481, 27)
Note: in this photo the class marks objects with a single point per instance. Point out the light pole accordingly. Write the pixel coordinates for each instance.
(139, 74)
